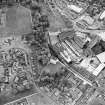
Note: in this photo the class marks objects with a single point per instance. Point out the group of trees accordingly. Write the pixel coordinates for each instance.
(52, 80)
(99, 47)
(40, 31)
(93, 10)
(95, 6)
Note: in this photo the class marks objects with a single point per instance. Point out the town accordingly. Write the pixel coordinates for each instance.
(52, 52)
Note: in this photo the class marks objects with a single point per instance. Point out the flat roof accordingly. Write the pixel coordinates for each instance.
(75, 8)
(67, 58)
(101, 57)
(102, 15)
(99, 69)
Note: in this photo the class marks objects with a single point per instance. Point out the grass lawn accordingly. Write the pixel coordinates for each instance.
(18, 21)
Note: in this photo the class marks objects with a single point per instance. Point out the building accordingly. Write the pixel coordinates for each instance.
(70, 34)
(102, 15)
(71, 46)
(92, 65)
(75, 8)
(75, 48)
(101, 57)
(67, 52)
(99, 69)
(89, 20)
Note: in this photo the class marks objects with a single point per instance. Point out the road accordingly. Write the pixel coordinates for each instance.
(78, 75)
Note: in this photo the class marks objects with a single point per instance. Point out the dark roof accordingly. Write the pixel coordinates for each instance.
(79, 41)
(66, 34)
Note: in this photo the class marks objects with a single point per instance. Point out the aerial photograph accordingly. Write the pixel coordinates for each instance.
(52, 52)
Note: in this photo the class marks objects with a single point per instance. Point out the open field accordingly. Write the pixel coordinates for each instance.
(17, 21)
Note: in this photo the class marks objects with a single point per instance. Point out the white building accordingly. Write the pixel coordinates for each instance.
(99, 69)
(101, 57)
(101, 35)
(89, 20)
(75, 8)
(94, 67)
(102, 15)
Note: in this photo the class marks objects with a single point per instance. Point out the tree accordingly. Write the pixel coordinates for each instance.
(93, 10)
